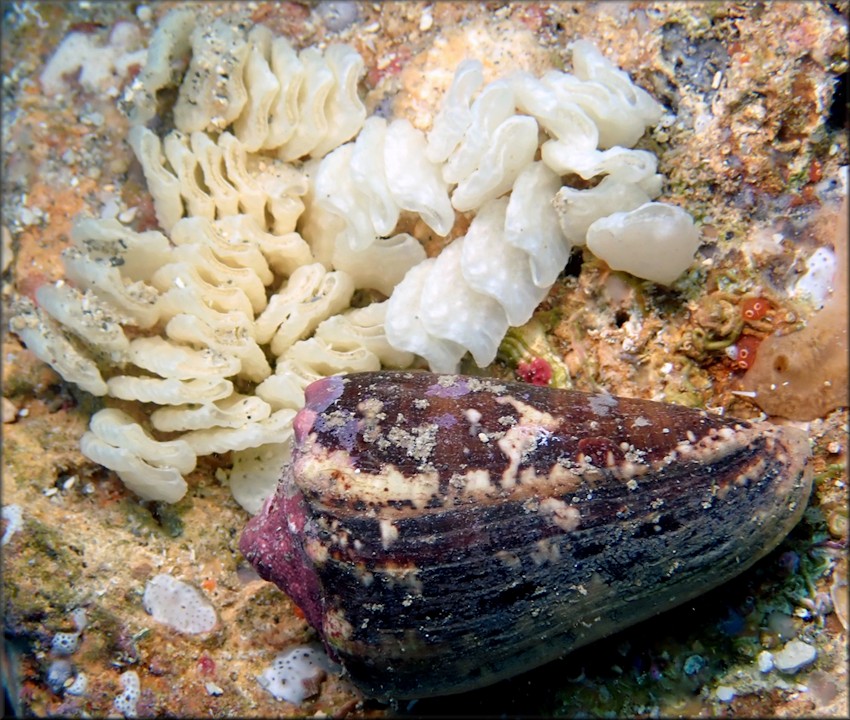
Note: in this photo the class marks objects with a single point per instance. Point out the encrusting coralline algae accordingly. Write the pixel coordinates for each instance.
(281, 200)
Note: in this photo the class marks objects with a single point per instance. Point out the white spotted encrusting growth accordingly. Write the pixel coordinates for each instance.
(296, 674)
(127, 700)
(283, 210)
(179, 605)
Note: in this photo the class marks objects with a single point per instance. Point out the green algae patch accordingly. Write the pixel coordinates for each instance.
(40, 576)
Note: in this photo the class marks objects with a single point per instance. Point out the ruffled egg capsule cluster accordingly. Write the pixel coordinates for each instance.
(279, 200)
(496, 275)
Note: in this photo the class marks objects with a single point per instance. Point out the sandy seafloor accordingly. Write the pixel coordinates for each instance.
(752, 147)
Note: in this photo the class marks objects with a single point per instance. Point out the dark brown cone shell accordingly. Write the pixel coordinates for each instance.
(443, 532)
